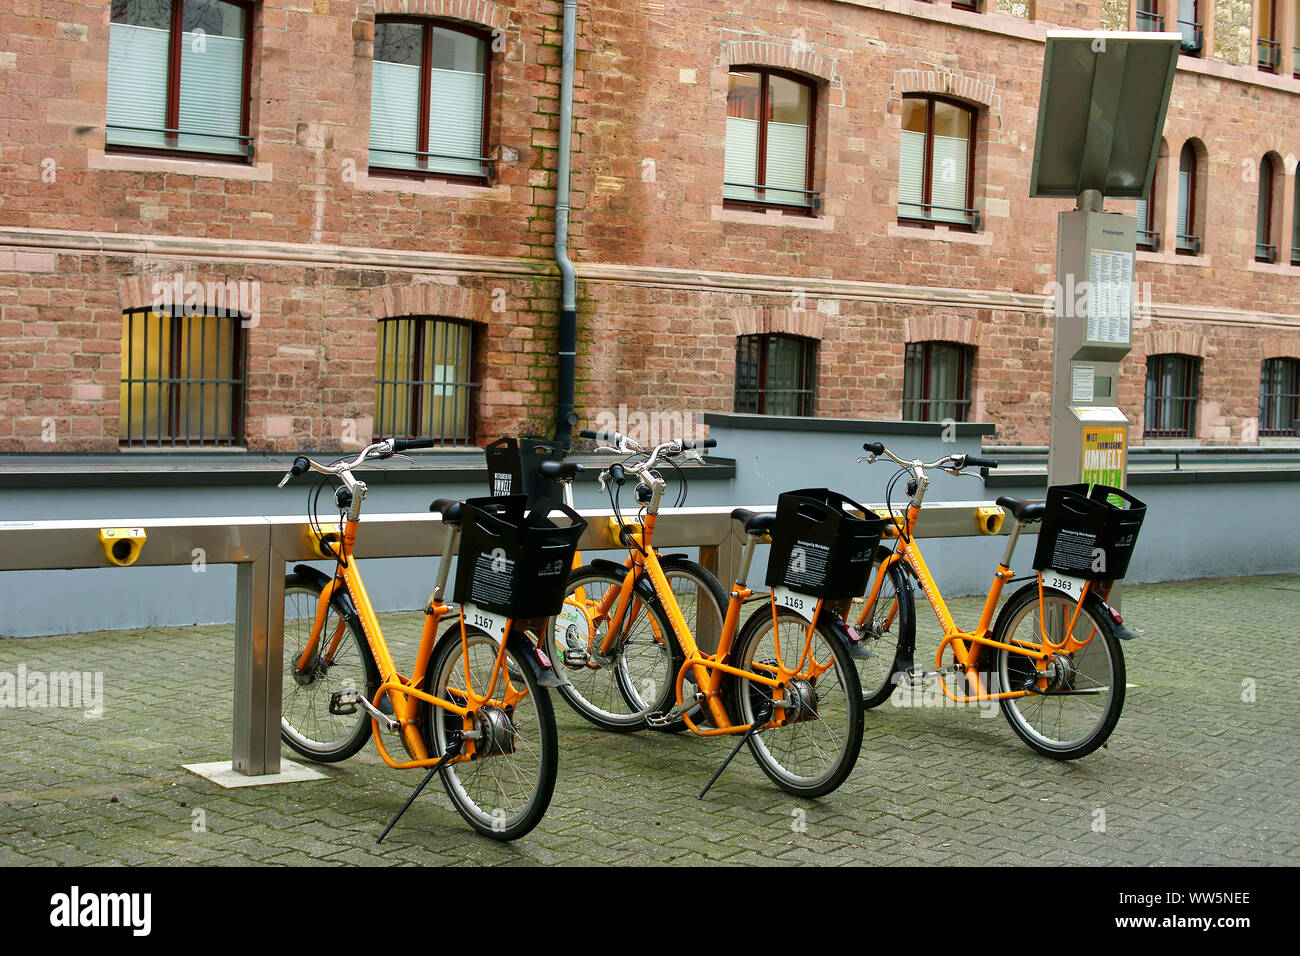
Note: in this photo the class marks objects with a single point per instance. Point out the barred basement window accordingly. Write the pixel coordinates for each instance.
(1173, 389)
(422, 382)
(774, 374)
(429, 100)
(1279, 397)
(182, 380)
(178, 77)
(936, 381)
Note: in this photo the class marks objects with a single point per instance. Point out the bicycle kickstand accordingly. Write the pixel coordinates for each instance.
(764, 714)
(453, 749)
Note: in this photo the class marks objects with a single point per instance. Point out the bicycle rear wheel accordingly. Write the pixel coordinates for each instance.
(504, 790)
(889, 624)
(1078, 708)
(618, 690)
(815, 749)
(306, 723)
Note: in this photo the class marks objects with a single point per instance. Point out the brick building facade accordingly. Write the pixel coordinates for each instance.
(672, 276)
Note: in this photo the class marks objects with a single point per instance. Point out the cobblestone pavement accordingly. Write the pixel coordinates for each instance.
(1202, 769)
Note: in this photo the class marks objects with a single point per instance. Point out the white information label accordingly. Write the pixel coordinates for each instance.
(494, 624)
(1110, 295)
(1063, 582)
(1081, 379)
(801, 604)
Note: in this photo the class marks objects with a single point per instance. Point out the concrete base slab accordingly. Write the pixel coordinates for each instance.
(223, 774)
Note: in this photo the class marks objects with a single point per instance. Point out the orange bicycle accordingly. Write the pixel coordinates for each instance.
(1052, 660)
(476, 707)
(783, 680)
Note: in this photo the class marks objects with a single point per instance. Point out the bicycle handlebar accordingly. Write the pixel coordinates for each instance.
(380, 450)
(950, 463)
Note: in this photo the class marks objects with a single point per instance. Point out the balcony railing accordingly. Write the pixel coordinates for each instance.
(1265, 252)
(1149, 239)
(1193, 36)
(813, 196)
(1188, 245)
(1270, 54)
(972, 215)
(1150, 22)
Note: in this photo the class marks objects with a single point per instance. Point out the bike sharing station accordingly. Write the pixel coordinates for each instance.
(1101, 113)
(1094, 139)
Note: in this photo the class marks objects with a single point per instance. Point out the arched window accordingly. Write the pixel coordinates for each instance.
(775, 374)
(770, 135)
(936, 162)
(429, 99)
(1266, 245)
(1173, 389)
(1188, 241)
(423, 384)
(1279, 396)
(178, 77)
(936, 381)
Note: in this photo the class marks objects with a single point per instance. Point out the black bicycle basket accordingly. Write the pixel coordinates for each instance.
(513, 559)
(819, 547)
(514, 468)
(1088, 534)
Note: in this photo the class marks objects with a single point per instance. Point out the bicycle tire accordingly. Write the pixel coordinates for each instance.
(1099, 664)
(620, 691)
(774, 748)
(306, 724)
(883, 637)
(503, 794)
(679, 569)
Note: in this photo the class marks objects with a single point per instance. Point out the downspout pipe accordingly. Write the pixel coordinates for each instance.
(566, 417)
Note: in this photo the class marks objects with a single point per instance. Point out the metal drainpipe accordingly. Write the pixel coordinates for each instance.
(566, 418)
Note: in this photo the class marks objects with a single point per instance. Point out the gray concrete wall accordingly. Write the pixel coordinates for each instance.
(1199, 524)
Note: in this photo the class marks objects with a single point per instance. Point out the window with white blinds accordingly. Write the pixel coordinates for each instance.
(935, 137)
(427, 98)
(1186, 239)
(769, 119)
(202, 101)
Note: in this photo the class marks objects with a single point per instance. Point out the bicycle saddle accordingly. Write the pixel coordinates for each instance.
(1024, 511)
(756, 522)
(450, 509)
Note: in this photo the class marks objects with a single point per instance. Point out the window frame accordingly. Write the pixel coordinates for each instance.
(172, 120)
(814, 198)
(1267, 195)
(1267, 398)
(1198, 242)
(1198, 30)
(805, 390)
(1189, 397)
(1271, 41)
(427, 24)
(238, 383)
(927, 167)
(923, 403)
(413, 414)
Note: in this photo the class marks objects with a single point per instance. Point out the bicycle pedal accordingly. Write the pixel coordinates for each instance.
(914, 679)
(659, 720)
(575, 658)
(343, 703)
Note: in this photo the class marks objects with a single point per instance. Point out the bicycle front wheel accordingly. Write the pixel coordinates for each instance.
(815, 747)
(504, 790)
(888, 624)
(1072, 710)
(342, 661)
(634, 677)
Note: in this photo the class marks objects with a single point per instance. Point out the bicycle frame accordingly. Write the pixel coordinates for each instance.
(709, 669)
(967, 645)
(405, 694)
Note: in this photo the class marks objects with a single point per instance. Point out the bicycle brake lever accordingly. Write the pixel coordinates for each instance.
(403, 457)
(869, 459)
(285, 480)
